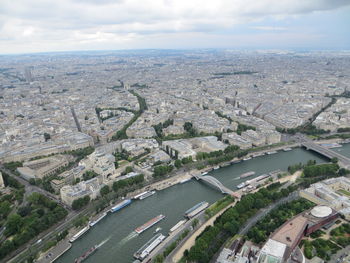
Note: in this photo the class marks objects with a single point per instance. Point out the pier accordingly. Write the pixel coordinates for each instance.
(217, 184)
(343, 161)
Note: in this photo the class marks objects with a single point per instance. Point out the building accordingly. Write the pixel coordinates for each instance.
(57, 184)
(257, 139)
(272, 251)
(331, 192)
(136, 147)
(235, 139)
(173, 129)
(179, 149)
(2, 184)
(282, 246)
(90, 188)
(271, 136)
(68, 177)
(207, 144)
(28, 74)
(160, 156)
(101, 163)
(43, 167)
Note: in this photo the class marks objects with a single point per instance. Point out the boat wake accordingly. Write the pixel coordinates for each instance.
(127, 238)
(104, 242)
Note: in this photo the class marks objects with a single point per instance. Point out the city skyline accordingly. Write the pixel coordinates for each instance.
(117, 25)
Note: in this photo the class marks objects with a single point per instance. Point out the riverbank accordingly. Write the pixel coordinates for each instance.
(188, 242)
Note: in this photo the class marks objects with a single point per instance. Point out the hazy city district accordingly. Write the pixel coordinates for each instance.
(86, 134)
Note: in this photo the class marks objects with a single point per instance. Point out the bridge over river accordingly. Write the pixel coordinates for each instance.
(217, 184)
(343, 161)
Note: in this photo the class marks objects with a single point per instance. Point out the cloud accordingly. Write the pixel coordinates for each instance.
(78, 22)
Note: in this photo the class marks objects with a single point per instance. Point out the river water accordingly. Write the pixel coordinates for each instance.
(117, 229)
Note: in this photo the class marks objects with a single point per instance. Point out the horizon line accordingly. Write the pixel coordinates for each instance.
(297, 50)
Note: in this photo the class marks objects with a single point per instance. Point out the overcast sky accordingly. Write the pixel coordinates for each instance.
(64, 25)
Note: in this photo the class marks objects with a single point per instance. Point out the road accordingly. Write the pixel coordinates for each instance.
(263, 212)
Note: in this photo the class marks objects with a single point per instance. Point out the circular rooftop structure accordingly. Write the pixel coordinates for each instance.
(321, 211)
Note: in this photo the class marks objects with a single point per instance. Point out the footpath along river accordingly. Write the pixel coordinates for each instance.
(117, 229)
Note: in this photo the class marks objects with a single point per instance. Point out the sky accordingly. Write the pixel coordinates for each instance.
(28, 26)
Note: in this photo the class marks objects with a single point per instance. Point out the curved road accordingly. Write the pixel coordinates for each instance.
(264, 211)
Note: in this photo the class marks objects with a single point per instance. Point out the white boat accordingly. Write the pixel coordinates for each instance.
(205, 173)
(196, 209)
(79, 234)
(258, 155)
(180, 223)
(241, 185)
(146, 249)
(331, 145)
(148, 194)
(157, 230)
(98, 219)
(251, 173)
(185, 180)
(287, 149)
(216, 167)
(247, 158)
(272, 152)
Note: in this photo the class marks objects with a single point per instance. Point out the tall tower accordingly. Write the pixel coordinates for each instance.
(75, 119)
(28, 74)
(2, 184)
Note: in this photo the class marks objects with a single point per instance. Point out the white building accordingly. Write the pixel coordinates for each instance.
(69, 193)
(101, 163)
(180, 148)
(272, 251)
(256, 138)
(235, 139)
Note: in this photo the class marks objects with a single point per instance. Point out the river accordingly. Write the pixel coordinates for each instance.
(117, 228)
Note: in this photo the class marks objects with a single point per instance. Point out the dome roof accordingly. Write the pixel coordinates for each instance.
(321, 211)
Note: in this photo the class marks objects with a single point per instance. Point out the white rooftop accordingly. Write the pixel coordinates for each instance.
(321, 211)
(274, 248)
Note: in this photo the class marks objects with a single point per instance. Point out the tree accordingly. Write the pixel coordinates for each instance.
(343, 172)
(104, 190)
(118, 185)
(6, 248)
(5, 208)
(162, 170)
(195, 222)
(188, 126)
(178, 163)
(32, 181)
(13, 224)
(158, 259)
(80, 202)
(334, 160)
(47, 136)
(128, 169)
